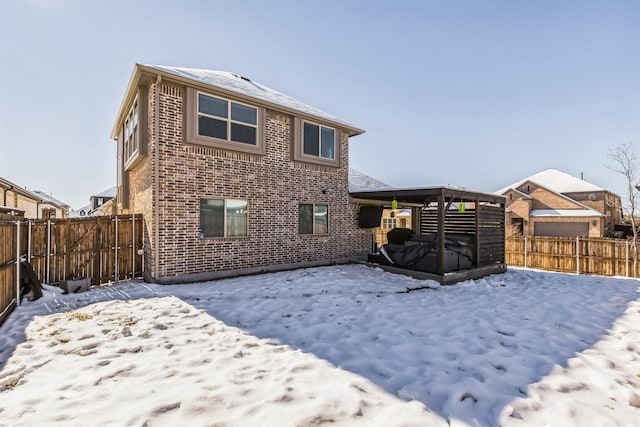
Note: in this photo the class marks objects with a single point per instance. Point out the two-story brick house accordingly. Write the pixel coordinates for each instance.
(231, 176)
(554, 203)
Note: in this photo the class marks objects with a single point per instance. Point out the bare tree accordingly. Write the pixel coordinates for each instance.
(625, 162)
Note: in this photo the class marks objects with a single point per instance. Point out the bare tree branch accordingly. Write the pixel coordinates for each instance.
(625, 162)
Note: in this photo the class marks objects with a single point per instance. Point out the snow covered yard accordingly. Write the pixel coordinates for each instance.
(342, 345)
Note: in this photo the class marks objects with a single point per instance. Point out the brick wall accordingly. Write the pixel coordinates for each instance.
(273, 184)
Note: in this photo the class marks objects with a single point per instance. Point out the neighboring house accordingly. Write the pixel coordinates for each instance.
(395, 218)
(554, 203)
(231, 176)
(102, 203)
(50, 207)
(99, 199)
(391, 218)
(30, 204)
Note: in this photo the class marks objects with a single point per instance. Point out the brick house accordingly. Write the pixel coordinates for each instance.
(554, 203)
(22, 203)
(232, 177)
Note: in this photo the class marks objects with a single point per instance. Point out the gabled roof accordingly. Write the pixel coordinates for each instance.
(519, 193)
(51, 200)
(109, 192)
(235, 84)
(556, 181)
(8, 185)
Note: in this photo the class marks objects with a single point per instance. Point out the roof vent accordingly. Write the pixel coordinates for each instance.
(241, 77)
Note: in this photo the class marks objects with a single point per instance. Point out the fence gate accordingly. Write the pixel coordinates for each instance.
(104, 249)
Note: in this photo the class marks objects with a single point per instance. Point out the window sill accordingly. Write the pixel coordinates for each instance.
(226, 145)
(133, 161)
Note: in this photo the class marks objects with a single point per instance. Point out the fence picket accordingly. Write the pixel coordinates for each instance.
(599, 256)
(58, 250)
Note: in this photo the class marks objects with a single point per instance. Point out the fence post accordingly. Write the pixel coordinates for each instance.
(48, 250)
(117, 275)
(133, 246)
(525, 251)
(18, 264)
(29, 240)
(577, 255)
(626, 258)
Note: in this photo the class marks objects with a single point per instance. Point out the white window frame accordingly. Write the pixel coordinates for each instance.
(389, 223)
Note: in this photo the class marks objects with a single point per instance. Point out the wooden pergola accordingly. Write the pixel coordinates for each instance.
(482, 216)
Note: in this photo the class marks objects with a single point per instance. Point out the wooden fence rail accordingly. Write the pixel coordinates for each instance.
(599, 256)
(104, 249)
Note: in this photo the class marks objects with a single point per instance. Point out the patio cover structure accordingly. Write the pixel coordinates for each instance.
(443, 211)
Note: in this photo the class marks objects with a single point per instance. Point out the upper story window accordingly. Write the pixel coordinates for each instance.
(223, 123)
(316, 143)
(319, 141)
(131, 133)
(220, 118)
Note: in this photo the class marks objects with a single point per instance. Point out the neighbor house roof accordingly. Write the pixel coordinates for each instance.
(51, 200)
(8, 185)
(109, 192)
(556, 181)
(236, 84)
(359, 181)
(565, 213)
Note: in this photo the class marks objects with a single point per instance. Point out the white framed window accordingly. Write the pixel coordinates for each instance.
(220, 122)
(388, 223)
(223, 218)
(313, 218)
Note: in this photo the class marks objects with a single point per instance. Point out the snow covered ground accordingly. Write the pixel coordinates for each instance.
(342, 345)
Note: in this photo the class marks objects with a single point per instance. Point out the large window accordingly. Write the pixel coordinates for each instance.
(220, 118)
(131, 133)
(313, 219)
(223, 123)
(223, 218)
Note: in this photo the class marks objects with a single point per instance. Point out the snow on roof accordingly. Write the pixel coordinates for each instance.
(242, 85)
(564, 213)
(109, 192)
(359, 181)
(557, 181)
(80, 212)
(50, 199)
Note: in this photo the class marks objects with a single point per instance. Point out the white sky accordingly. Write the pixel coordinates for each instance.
(346, 345)
(467, 93)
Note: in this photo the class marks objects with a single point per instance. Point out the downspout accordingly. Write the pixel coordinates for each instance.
(156, 168)
(6, 190)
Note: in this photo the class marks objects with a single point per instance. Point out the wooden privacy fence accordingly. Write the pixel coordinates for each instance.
(104, 249)
(581, 255)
